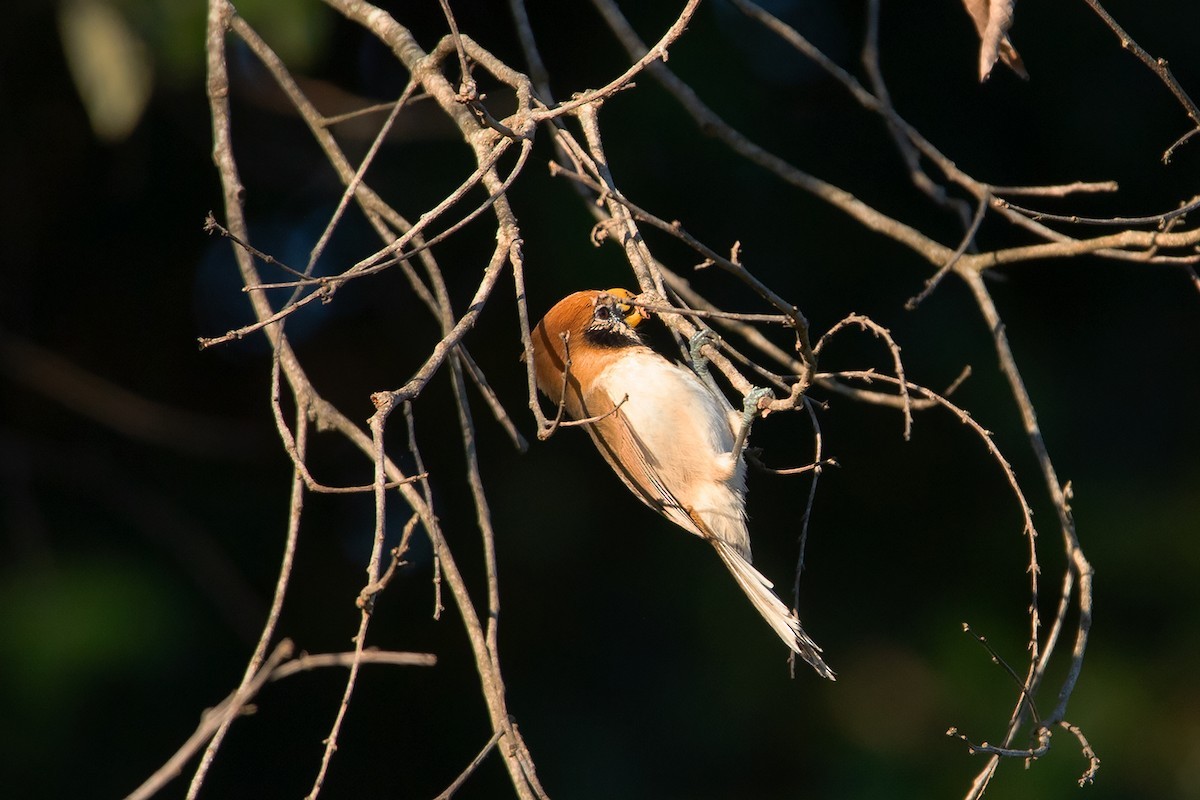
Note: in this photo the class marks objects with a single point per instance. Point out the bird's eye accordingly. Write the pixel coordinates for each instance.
(604, 313)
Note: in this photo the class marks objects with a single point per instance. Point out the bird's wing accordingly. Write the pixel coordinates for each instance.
(633, 462)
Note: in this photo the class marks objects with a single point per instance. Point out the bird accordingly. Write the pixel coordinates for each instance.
(669, 435)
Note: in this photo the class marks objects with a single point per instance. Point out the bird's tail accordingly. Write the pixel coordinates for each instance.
(778, 616)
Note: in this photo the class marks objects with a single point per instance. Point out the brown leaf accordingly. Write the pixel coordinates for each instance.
(992, 20)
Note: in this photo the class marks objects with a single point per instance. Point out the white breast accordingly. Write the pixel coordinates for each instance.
(688, 433)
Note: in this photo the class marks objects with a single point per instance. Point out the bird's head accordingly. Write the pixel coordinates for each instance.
(595, 323)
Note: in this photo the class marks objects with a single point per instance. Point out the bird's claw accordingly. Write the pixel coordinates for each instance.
(749, 412)
(753, 398)
(696, 344)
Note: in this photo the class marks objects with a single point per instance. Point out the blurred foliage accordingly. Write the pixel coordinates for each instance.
(79, 622)
(175, 31)
(117, 49)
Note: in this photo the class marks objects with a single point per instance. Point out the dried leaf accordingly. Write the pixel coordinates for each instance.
(992, 20)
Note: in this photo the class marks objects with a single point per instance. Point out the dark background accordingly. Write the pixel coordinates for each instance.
(144, 491)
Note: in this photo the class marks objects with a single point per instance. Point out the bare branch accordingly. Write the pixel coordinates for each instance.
(867, 324)
(470, 768)
(500, 139)
(212, 721)
(1158, 66)
(651, 56)
(278, 665)
(306, 662)
(272, 621)
(944, 270)
(1074, 219)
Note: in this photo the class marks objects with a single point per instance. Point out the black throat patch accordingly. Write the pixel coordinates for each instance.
(611, 337)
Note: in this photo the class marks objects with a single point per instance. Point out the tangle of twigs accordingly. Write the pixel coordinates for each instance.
(501, 147)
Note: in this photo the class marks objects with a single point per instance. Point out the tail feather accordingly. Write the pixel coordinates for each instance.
(778, 616)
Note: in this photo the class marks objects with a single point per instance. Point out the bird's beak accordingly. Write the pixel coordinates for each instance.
(632, 314)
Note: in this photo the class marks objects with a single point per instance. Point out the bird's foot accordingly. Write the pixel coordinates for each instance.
(749, 413)
(753, 398)
(695, 344)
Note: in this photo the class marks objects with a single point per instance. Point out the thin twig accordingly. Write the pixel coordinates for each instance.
(1167, 155)
(467, 83)
(470, 768)
(651, 56)
(306, 662)
(1017, 680)
(1157, 65)
(213, 720)
(789, 314)
(591, 420)
(1075, 219)
(870, 376)
(383, 218)
(908, 152)
(281, 585)
(968, 239)
(352, 185)
(1060, 190)
(819, 462)
(753, 458)
(465, 324)
(323, 414)
(1089, 774)
(489, 395)
(749, 333)
(659, 308)
(365, 598)
(1075, 558)
(1191, 273)
(277, 666)
(880, 332)
(995, 751)
(483, 514)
